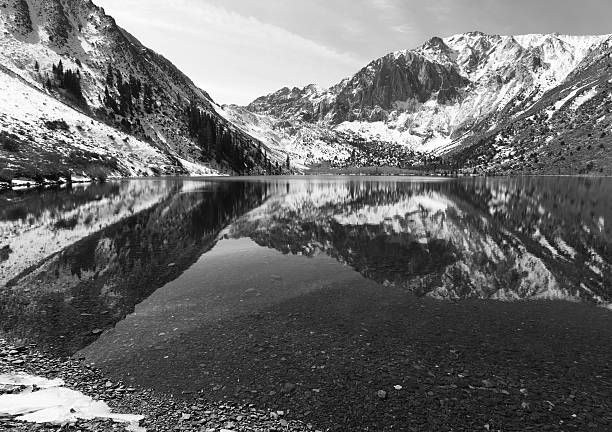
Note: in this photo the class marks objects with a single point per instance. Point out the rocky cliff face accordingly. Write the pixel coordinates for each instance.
(388, 82)
(109, 76)
(444, 95)
(370, 94)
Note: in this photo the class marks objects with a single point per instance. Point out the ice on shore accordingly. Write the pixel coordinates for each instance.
(54, 403)
(25, 380)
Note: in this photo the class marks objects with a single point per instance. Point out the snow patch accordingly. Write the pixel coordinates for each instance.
(585, 97)
(55, 404)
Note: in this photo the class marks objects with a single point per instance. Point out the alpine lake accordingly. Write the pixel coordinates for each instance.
(472, 300)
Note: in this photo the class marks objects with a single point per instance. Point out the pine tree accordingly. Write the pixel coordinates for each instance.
(71, 81)
(125, 99)
(147, 97)
(110, 79)
(36, 66)
(288, 163)
(109, 101)
(135, 86)
(218, 147)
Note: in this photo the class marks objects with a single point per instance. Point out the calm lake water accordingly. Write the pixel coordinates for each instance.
(236, 286)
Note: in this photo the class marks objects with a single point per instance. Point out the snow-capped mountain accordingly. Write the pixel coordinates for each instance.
(79, 94)
(565, 131)
(81, 97)
(441, 96)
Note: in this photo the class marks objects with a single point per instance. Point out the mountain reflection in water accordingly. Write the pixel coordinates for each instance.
(76, 262)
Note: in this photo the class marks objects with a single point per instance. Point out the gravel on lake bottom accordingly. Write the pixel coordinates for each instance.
(336, 362)
(161, 412)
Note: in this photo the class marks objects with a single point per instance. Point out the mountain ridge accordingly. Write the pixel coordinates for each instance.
(488, 80)
(83, 98)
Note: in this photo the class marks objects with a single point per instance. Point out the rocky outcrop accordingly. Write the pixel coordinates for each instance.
(19, 20)
(395, 78)
(56, 22)
(370, 93)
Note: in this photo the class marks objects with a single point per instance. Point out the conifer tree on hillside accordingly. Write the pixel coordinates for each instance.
(109, 100)
(110, 78)
(71, 81)
(147, 99)
(135, 86)
(125, 100)
(67, 79)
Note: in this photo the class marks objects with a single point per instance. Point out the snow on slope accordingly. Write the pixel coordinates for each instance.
(35, 35)
(35, 399)
(25, 111)
(306, 144)
(506, 74)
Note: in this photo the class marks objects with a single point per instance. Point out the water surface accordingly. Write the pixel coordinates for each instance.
(261, 289)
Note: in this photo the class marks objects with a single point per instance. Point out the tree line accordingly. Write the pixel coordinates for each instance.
(123, 96)
(242, 155)
(66, 79)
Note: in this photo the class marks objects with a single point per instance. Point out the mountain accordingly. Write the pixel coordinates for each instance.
(443, 104)
(80, 96)
(565, 131)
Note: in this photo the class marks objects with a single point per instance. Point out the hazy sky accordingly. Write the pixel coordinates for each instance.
(238, 50)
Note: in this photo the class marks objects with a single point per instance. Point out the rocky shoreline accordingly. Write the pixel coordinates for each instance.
(427, 366)
(161, 412)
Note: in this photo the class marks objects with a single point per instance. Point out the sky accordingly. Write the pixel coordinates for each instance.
(238, 50)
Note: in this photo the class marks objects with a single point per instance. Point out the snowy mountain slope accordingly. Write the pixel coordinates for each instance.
(305, 145)
(566, 131)
(43, 138)
(433, 98)
(73, 52)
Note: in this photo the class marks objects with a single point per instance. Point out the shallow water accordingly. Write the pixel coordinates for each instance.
(233, 287)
